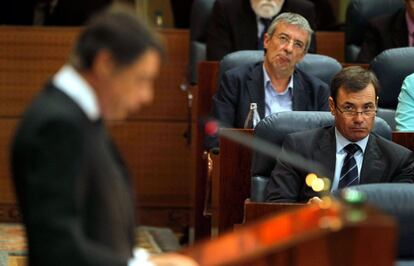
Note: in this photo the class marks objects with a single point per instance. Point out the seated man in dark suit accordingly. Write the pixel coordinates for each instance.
(72, 185)
(241, 24)
(349, 152)
(387, 32)
(275, 84)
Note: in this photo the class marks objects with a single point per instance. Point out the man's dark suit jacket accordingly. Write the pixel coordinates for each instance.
(245, 84)
(385, 32)
(72, 186)
(384, 161)
(233, 26)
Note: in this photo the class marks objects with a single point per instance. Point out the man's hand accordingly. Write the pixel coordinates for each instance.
(172, 259)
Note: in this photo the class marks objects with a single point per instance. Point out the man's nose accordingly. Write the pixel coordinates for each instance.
(359, 117)
(289, 46)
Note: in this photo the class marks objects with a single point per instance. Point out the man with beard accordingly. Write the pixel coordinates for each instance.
(275, 84)
(241, 24)
(348, 151)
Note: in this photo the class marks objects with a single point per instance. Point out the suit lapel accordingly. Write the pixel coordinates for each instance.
(326, 152)
(255, 88)
(300, 95)
(372, 166)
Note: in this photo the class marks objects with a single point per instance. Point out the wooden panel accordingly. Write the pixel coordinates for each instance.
(30, 56)
(405, 139)
(175, 218)
(207, 73)
(331, 43)
(234, 180)
(158, 160)
(7, 127)
(151, 142)
(170, 102)
(255, 210)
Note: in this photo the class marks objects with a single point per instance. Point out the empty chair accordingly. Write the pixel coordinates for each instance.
(391, 67)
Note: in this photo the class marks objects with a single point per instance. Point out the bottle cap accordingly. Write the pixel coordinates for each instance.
(253, 105)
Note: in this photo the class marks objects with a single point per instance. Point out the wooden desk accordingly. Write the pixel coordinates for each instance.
(256, 210)
(306, 236)
(231, 182)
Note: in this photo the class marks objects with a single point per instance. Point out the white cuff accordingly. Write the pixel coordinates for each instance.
(140, 258)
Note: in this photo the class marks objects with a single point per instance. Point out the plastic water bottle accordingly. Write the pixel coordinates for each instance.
(253, 117)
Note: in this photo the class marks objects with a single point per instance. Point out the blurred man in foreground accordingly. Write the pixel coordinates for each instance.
(71, 183)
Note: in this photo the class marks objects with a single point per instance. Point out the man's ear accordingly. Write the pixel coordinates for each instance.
(103, 64)
(266, 40)
(331, 105)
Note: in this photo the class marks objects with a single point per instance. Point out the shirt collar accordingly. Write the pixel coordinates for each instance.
(70, 82)
(341, 142)
(268, 84)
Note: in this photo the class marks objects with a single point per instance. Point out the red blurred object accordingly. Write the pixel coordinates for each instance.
(211, 128)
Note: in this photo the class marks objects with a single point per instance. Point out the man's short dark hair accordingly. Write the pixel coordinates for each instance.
(353, 79)
(117, 30)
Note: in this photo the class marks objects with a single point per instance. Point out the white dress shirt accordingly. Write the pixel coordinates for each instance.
(274, 101)
(341, 142)
(70, 82)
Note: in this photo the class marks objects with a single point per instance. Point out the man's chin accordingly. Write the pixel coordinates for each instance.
(267, 11)
(358, 134)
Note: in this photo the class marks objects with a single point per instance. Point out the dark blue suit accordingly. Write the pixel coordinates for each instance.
(72, 186)
(384, 161)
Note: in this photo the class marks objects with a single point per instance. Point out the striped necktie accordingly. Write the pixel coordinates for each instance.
(349, 173)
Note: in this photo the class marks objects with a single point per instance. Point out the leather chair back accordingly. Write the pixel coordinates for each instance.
(389, 116)
(274, 128)
(358, 14)
(320, 66)
(199, 23)
(391, 67)
(397, 201)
